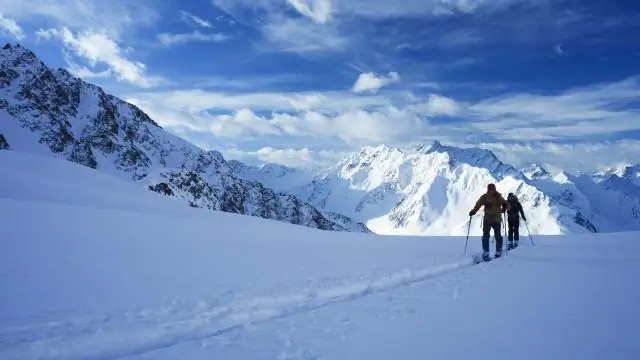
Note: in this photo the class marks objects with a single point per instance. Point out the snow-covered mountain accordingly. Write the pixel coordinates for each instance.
(50, 111)
(535, 172)
(429, 189)
(630, 172)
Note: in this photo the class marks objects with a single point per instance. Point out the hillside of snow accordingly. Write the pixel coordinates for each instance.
(93, 268)
(47, 111)
(429, 190)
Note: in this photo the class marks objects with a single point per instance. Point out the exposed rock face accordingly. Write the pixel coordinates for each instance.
(4, 145)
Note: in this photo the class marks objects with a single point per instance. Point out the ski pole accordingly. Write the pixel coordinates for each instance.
(528, 232)
(467, 241)
(504, 238)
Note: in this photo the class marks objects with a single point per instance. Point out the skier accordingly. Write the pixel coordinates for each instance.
(494, 205)
(513, 220)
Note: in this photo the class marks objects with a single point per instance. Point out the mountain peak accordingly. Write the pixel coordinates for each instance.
(535, 171)
(426, 148)
(473, 156)
(626, 170)
(630, 172)
(18, 52)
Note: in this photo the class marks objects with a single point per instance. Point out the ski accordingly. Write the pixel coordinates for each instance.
(478, 258)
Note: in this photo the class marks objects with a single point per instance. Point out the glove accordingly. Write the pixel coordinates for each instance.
(524, 218)
(471, 213)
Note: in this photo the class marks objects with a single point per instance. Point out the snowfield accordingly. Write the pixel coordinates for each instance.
(95, 267)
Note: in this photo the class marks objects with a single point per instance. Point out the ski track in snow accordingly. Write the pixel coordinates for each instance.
(134, 333)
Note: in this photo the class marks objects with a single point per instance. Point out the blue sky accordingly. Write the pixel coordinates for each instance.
(302, 82)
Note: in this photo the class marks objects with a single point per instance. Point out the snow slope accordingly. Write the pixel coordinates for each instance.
(91, 268)
(429, 190)
(49, 111)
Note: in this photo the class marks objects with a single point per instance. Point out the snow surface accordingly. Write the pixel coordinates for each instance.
(93, 267)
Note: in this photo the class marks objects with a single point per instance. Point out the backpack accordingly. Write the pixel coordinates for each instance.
(489, 205)
(514, 205)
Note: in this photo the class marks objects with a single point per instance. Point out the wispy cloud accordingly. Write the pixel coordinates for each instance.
(370, 82)
(173, 39)
(573, 157)
(351, 119)
(191, 19)
(377, 9)
(324, 102)
(11, 27)
(302, 158)
(386, 9)
(437, 105)
(303, 36)
(114, 18)
(348, 120)
(98, 48)
(317, 10)
(587, 111)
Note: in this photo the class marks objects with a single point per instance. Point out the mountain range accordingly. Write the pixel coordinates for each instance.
(423, 190)
(430, 188)
(51, 111)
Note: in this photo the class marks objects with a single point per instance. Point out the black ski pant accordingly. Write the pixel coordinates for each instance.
(514, 228)
(486, 234)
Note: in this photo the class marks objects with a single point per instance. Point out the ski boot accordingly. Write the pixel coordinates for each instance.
(486, 256)
(511, 245)
(498, 253)
(515, 244)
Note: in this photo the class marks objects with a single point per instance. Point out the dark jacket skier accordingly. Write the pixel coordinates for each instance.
(494, 206)
(513, 220)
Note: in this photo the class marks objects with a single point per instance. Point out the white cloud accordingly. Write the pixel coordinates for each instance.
(370, 82)
(352, 120)
(242, 123)
(438, 105)
(171, 39)
(377, 9)
(579, 112)
(194, 101)
(575, 113)
(303, 36)
(337, 118)
(385, 9)
(11, 27)
(317, 10)
(189, 18)
(114, 18)
(297, 158)
(96, 48)
(582, 156)
(353, 127)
